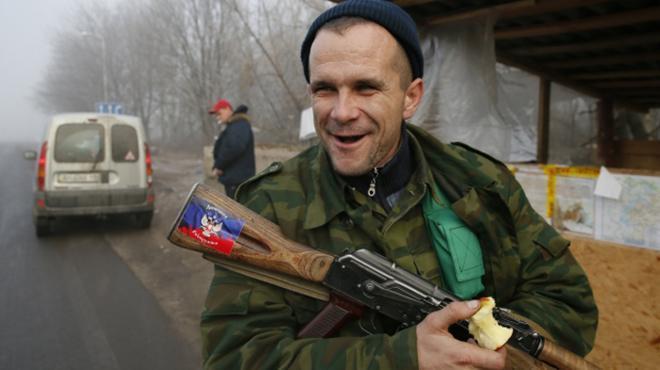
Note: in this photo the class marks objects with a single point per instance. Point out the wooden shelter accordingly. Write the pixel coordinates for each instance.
(606, 49)
(609, 50)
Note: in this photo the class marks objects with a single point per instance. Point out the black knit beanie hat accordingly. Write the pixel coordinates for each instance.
(387, 14)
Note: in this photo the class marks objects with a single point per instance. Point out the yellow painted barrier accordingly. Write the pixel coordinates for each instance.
(553, 171)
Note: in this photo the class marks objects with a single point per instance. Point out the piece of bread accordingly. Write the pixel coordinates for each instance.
(485, 329)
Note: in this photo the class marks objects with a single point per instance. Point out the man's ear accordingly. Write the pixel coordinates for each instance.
(413, 97)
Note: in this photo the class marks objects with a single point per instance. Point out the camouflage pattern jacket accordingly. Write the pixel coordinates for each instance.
(529, 269)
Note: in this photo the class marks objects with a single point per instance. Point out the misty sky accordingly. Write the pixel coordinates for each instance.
(25, 26)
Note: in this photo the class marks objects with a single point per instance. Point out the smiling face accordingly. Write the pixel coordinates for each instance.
(360, 95)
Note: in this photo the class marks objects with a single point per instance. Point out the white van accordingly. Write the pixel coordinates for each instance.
(91, 164)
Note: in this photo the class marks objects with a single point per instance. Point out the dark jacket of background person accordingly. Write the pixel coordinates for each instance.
(233, 152)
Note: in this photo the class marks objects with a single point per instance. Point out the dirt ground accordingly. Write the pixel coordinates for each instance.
(624, 279)
(178, 278)
(625, 283)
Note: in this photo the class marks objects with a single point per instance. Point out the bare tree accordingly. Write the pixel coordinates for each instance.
(196, 36)
(167, 61)
(274, 31)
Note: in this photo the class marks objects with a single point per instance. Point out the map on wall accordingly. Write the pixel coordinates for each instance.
(634, 218)
(534, 183)
(574, 204)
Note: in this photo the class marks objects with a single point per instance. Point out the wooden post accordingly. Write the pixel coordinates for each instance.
(543, 124)
(605, 116)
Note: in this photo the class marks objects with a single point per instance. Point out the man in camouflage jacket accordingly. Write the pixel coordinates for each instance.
(319, 199)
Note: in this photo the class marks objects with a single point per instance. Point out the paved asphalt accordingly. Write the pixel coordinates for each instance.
(68, 301)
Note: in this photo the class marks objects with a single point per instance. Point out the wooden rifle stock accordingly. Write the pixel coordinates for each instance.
(564, 359)
(260, 242)
(260, 250)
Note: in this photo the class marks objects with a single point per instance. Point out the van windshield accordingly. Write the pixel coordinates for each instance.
(80, 143)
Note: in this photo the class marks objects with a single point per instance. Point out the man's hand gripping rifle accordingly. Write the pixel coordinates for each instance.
(240, 240)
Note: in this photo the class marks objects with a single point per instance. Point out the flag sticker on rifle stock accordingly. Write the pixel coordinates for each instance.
(209, 225)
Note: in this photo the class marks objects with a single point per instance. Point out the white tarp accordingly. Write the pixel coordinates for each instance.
(307, 124)
(460, 99)
(517, 102)
(573, 128)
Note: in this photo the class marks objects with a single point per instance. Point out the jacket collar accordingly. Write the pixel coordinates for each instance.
(391, 178)
(456, 170)
(328, 196)
(325, 199)
(239, 117)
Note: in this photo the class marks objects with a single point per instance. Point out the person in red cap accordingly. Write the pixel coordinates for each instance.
(233, 152)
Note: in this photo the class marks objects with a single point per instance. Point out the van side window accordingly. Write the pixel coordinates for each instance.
(124, 143)
(79, 143)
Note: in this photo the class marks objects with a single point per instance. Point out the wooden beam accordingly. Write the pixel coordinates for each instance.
(604, 44)
(565, 80)
(543, 122)
(644, 98)
(652, 105)
(406, 3)
(642, 154)
(638, 107)
(652, 56)
(640, 147)
(538, 70)
(401, 3)
(648, 101)
(605, 138)
(627, 84)
(640, 73)
(586, 24)
(483, 12)
(548, 6)
(511, 10)
(639, 92)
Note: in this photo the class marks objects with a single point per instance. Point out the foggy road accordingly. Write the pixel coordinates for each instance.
(68, 300)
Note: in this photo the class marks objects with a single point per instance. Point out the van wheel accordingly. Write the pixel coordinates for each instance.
(42, 226)
(143, 219)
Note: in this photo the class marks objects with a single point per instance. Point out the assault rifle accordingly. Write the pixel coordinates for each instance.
(240, 240)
